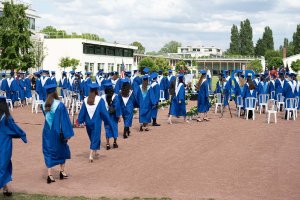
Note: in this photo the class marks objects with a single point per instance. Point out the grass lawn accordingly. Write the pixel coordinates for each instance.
(19, 196)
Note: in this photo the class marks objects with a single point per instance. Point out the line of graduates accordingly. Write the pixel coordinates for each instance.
(285, 84)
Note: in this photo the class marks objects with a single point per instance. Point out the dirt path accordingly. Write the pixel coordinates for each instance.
(225, 159)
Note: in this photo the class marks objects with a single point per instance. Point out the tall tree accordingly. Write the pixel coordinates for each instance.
(246, 35)
(162, 64)
(296, 40)
(234, 44)
(268, 38)
(147, 62)
(170, 47)
(141, 48)
(260, 48)
(39, 52)
(15, 38)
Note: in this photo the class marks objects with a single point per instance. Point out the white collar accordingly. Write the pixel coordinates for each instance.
(91, 109)
(126, 99)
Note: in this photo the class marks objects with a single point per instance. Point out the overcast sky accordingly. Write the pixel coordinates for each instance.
(155, 22)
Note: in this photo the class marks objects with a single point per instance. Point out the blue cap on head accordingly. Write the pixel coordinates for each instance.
(181, 76)
(145, 77)
(242, 76)
(125, 80)
(146, 70)
(72, 72)
(170, 71)
(12, 73)
(160, 71)
(107, 84)
(128, 73)
(94, 86)
(292, 74)
(153, 75)
(46, 71)
(203, 72)
(115, 73)
(3, 74)
(50, 88)
(2, 98)
(64, 73)
(100, 72)
(88, 73)
(53, 72)
(135, 71)
(281, 73)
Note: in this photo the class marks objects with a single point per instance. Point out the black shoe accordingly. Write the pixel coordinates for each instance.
(115, 145)
(155, 124)
(125, 136)
(128, 131)
(50, 179)
(7, 193)
(141, 128)
(107, 147)
(62, 175)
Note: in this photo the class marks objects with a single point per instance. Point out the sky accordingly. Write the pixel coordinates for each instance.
(156, 22)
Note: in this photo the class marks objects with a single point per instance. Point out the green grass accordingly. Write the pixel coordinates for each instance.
(21, 196)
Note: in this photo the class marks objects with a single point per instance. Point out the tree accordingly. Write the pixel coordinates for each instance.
(272, 54)
(268, 39)
(147, 62)
(141, 48)
(39, 52)
(296, 40)
(246, 43)
(16, 46)
(260, 48)
(234, 44)
(74, 63)
(296, 66)
(65, 62)
(255, 65)
(170, 47)
(162, 64)
(275, 62)
(181, 66)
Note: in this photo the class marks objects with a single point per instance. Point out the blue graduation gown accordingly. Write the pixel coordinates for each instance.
(146, 101)
(63, 84)
(4, 84)
(279, 87)
(7, 133)
(156, 91)
(203, 98)
(127, 106)
(92, 116)
(136, 82)
(263, 88)
(111, 128)
(247, 93)
(39, 88)
(53, 80)
(117, 84)
(21, 83)
(57, 121)
(86, 87)
(176, 108)
(28, 88)
(218, 88)
(12, 90)
(162, 81)
(288, 90)
(44, 81)
(169, 80)
(227, 88)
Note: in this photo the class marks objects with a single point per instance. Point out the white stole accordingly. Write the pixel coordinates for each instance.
(126, 99)
(91, 109)
(43, 80)
(9, 81)
(178, 88)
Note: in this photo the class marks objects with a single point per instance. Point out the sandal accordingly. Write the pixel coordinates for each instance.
(146, 129)
(206, 119)
(199, 120)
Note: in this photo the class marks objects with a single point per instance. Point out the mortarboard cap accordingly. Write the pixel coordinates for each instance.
(94, 86)
(53, 72)
(202, 72)
(50, 88)
(107, 84)
(146, 70)
(181, 76)
(72, 72)
(170, 71)
(87, 73)
(3, 74)
(145, 77)
(153, 75)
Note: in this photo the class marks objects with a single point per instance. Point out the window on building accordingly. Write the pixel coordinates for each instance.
(88, 49)
(110, 51)
(91, 67)
(128, 53)
(31, 23)
(119, 52)
(86, 66)
(100, 50)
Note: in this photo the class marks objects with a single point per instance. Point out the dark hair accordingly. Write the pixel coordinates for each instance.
(109, 93)
(200, 81)
(251, 85)
(92, 95)
(180, 80)
(125, 89)
(145, 84)
(4, 110)
(49, 100)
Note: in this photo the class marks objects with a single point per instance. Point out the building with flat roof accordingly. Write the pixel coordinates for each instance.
(93, 55)
(198, 51)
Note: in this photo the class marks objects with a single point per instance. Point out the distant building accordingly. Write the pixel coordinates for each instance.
(198, 51)
(93, 55)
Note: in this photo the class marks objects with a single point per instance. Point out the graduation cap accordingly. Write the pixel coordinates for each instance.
(94, 86)
(292, 74)
(2, 98)
(72, 72)
(100, 72)
(256, 75)
(181, 76)
(145, 77)
(135, 71)
(114, 73)
(203, 72)
(170, 71)
(107, 84)
(50, 88)
(153, 75)
(46, 71)
(242, 76)
(64, 73)
(125, 80)
(146, 70)
(3, 74)
(281, 73)
(128, 73)
(12, 73)
(88, 73)
(53, 72)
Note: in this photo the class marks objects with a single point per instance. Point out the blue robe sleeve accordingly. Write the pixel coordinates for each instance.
(105, 115)
(152, 96)
(181, 94)
(82, 114)
(65, 122)
(15, 130)
(117, 107)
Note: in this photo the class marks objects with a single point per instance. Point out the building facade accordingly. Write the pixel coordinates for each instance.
(93, 55)
(198, 51)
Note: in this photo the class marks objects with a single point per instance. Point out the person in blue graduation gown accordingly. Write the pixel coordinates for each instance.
(219, 88)
(249, 91)
(226, 91)
(112, 105)
(71, 80)
(92, 113)
(178, 106)
(146, 101)
(127, 102)
(162, 81)
(63, 83)
(256, 80)
(56, 132)
(86, 84)
(12, 89)
(116, 82)
(99, 79)
(21, 83)
(170, 78)
(279, 84)
(3, 82)
(156, 91)
(8, 131)
(239, 86)
(136, 81)
(38, 85)
(263, 86)
(27, 81)
(45, 80)
(203, 104)
(53, 79)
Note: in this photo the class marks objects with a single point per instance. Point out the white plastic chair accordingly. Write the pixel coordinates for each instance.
(280, 101)
(271, 110)
(36, 102)
(250, 103)
(263, 101)
(218, 102)
(240, 105)
(290, 107)
(272, 97)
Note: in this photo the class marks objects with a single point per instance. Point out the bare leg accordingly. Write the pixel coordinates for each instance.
(62, 167)
(170, 119)
(91, 159)
(49, 172)
(146, 127)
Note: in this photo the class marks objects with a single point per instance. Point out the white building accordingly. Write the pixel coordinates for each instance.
(93, 55)
(289, 60)
(198, 51)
